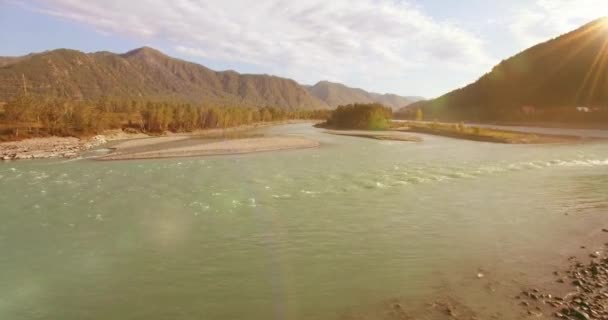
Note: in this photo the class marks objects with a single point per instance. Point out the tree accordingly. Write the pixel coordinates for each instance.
(361, 116)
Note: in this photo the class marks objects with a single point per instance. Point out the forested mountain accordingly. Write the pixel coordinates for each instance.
(563, 80)
(337, 94)
(146, 74)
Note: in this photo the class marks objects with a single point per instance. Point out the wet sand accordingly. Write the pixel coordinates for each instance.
(378, 135)
(145, 142)
(566, 283)
(131, 150)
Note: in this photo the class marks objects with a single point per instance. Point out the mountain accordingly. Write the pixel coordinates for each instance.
(336, 94)
(546, 82)
(147, 74)
(4, 61)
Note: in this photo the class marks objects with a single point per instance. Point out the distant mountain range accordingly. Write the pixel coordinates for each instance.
(148, 74)
(336, 94)
(546, 82)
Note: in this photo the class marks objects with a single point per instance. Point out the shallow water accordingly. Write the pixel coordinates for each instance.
(307, 234)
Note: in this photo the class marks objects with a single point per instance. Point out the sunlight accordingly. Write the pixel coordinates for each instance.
(285, 159)
(604, 20)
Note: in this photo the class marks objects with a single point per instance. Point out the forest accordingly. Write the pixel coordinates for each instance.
(27, 116)
(561, 81)
(371, 116)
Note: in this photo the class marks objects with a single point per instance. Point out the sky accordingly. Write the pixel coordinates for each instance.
(408, 47)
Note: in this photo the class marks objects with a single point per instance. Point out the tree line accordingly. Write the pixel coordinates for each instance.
(32, 116)
(373, 116)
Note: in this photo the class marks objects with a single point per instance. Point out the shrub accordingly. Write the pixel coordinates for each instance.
(361, 116)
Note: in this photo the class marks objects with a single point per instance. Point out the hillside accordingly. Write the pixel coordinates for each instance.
(148, 74)
(544, 83)
(336, 94)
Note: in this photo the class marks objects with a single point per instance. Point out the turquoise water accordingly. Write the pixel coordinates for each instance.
(306, 234)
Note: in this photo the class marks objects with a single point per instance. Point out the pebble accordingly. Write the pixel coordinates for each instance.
(589, 298)
(44, 148)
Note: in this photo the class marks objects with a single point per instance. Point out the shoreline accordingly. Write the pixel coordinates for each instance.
(48, 148)
(580, 292)
(481, 134)
(72, 147)
(573, 287)
(389, 135)
(206, 148)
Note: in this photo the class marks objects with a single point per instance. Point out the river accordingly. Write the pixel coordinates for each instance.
(323, 233)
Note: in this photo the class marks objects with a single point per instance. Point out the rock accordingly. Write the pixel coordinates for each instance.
(605, 230)
(480, 275)
(6, 158)
(23, 156)
(578, 314)
(595, 255)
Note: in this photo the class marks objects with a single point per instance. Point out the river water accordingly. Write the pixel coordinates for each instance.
(305, 234)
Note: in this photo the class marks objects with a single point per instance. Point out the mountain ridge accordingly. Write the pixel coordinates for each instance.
(148, 73)
(336, 94)
(544, 82)
(145, 73)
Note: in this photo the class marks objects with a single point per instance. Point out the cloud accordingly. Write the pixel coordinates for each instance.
(546, 19)
(341, 40)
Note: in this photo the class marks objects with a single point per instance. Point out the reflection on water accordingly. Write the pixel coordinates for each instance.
(306, 234)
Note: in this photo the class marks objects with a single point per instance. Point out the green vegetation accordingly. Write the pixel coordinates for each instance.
(145, 74)
(461, 131)
(26, 116)
(564, 80)
(360, 116)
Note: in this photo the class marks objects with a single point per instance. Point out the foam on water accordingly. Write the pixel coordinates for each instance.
(401, 175)
(412, 214)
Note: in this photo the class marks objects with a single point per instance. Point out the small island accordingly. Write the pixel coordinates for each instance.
(372, 116)
(364, 121)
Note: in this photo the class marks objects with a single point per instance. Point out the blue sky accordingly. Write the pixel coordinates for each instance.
(409, 47)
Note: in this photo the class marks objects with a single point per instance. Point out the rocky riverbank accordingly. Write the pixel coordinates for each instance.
(71, 147)
(46, 148)
(586, 291)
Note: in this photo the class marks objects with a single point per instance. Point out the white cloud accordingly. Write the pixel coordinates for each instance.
(342, 40)
(546, 19)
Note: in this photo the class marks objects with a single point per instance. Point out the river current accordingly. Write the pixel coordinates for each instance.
(302, 234)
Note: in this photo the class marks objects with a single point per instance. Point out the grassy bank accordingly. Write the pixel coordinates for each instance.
(461, 131)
